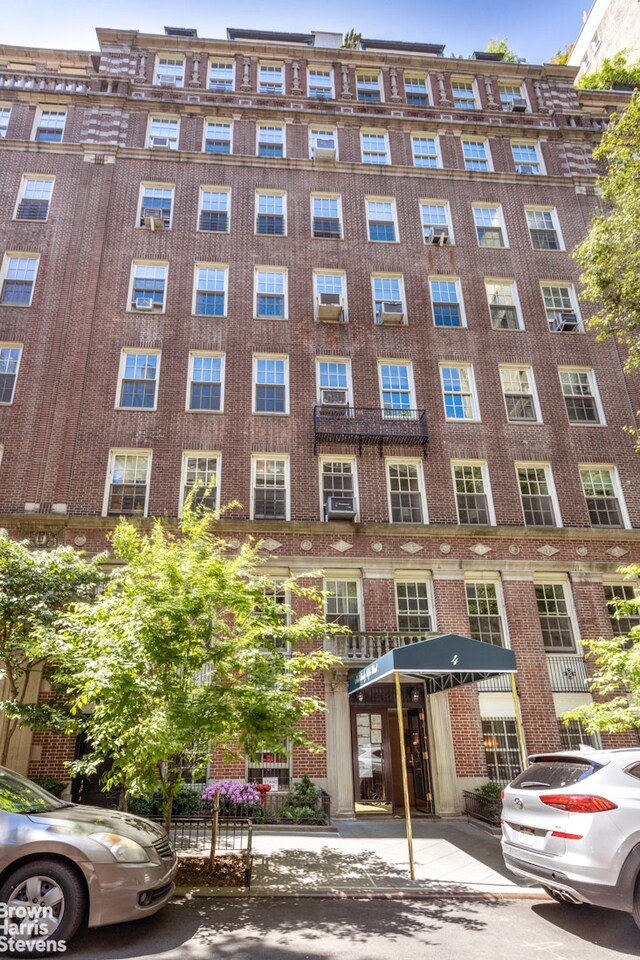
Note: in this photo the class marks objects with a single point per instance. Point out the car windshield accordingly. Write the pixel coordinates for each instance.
(553, 773)
(18, 795)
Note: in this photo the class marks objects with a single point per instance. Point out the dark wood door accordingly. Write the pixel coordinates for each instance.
(419, 759)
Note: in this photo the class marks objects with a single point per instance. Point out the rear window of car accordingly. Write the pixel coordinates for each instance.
(634, 771)
(553, 773)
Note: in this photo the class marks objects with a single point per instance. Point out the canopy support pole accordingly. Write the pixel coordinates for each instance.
(519, 727)
(405, 781)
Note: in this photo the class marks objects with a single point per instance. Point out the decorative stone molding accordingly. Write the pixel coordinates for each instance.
(271, 544)
(481, 549)
(617, 552)
(141, 70)
(442, 94)
(393, 79)
(548, 550)
(491, 101)
(411, 547)
(344, 76)
(246, 67)
(195, 70)
(341, 546)
(376, 547)
(306, 545)
(295, 86)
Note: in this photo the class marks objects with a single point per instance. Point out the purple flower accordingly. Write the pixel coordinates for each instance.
(235, 792)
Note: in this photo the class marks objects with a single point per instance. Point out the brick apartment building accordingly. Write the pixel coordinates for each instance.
(340, 282)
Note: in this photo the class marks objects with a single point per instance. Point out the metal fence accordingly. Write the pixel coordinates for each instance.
(235, 835)
(487, 809)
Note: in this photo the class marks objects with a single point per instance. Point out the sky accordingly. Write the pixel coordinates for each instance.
(535, 30)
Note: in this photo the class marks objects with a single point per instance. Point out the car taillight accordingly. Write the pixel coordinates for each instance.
(502, 795)
(566, 836)
(578, 802)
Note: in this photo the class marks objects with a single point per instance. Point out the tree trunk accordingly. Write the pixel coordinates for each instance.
(214, 829)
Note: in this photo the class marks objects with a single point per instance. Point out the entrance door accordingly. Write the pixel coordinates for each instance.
(372, 765)
(418, 758)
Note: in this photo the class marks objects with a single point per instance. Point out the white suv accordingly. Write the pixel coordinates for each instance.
(571, 822)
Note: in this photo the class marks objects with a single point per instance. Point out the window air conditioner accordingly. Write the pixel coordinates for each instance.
(439, 235)
(330, 307)
(167, 83)
(153, 218)
(390, 312)
(518, 105)
(144, 303)
(159, 142)
(564, 322)
(331, 399)
(524, 168)
(324, 149)
(340, 508)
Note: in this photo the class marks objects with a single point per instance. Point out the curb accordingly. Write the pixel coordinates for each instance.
(330, 893)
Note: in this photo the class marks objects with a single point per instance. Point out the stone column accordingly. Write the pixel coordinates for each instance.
(339, 757)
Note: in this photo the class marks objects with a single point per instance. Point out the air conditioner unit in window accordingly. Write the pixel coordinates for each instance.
(144, 303)
(167, 83)
(390, 312)
(340, 508)
(324, 149)
(438, 235)
(332, 400)
(156, 142)
(524, 168)
(330, 307)
(518, 105)
(564, 322)
(153, 218)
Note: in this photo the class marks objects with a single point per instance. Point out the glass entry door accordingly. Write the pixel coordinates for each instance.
(372, 764)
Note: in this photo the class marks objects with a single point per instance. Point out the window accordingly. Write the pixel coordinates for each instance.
(270, 78)
(169, 71)
(426, 152)
(586, 62)
(446, 301)
(221, 75)
(163, 132)
(49, 126)
(330, 299)
(368, 86)
(622, 602)
(382, 223)
(405, 492)
(270, 377)
(320, 83)
(527, 159)
(326, 217)
(18, 278)
(5, 113)
(218, 137)
(436, 221)
(413, 605)
(464, 94)
(34, 198)
(501, 748)
(374, 148)
(343, 603)
(596, 41)
(416, 89)
(519, 393)
(271, 292)
(458, 392)
(537, 495)
(338, 479)
(210, 290)
(148, 286)
(214, 210)
(561, 306)
(334, 375)
(323, 143)
(475, 154)
(581, 396)
(200, 479)
(555, 619)
(156, 203)
(543, 228)
(270, 141)
(270, 213)
(512, 96)
(138, 381)
(483, 607)
(573, 735)
(601, 489)
(10, 356)
(270, 482)
(397, 397)
(206, 382)
(388, 299)
(504, 305)
(127, 491)
(490, 229)
(472, 499)
(275, 766)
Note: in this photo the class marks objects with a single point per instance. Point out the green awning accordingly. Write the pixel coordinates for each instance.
(442, 662)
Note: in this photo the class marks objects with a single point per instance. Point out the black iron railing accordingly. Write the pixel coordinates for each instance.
(487, 809)
(567, 674)
(235, 835)
(370, 425)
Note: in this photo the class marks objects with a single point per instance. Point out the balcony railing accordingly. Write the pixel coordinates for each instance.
(364, 647)
(567, 674)
(47, 83)
(370, 425)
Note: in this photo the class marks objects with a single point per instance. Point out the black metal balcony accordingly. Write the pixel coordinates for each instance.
(369, 425)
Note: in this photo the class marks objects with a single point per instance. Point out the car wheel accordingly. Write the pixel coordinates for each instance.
(555, 895)
(635, 910)
(55, 897)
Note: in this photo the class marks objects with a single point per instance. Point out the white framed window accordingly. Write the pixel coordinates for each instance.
(405, 488)
(169, 71)
(527, 158)
(556, 614)
(271, 293)
(416, 89)
(5, 114)
(214, 209)
(326, 216)
(155, 205)
(397, 391)
(513, 97)
(323, 143)
(163, 132)
(538, 495)
(504, 304)
(10, 357)
(271, 78)
(476, 154)
(426, 151)
(586, 62)
(335, 391)
(205, 387)
(544, 228)
(625, 618)
(338, 481)
(501, 748)
(374, 148)
(459, 392)
(473, 493)
(221, 75)
(271, 212)
(382, 219)
(561, 306)
(368, 86)
(465, 93)
(489, 223)
(519, 392)
(437, 226)
(485, 608)
(49, 124)
(270, 140)
(596, 41)
(270, 384)
(34, 198)
(200, 479)
(389, 304)
(148, 287)
(581, 397)
(210, 290)
(603, 495)
(269, 487)
(127, 487)
(320, 82)
(218, 137)
(138, 380)
(446, 302)
(330, 295)
(414, 604)
(18, 278)
(343, 602)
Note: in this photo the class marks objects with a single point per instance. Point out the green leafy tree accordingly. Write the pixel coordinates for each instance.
(352, 40)
(562, 56)
(502, 46)
(617, 71)
(36, 588)
(617, 676)
(187, 650)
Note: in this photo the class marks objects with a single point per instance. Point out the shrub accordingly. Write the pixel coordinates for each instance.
(186, 803)
(490, 790)
(51, 784)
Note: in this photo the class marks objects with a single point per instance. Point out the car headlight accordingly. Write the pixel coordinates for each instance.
(122, 849)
